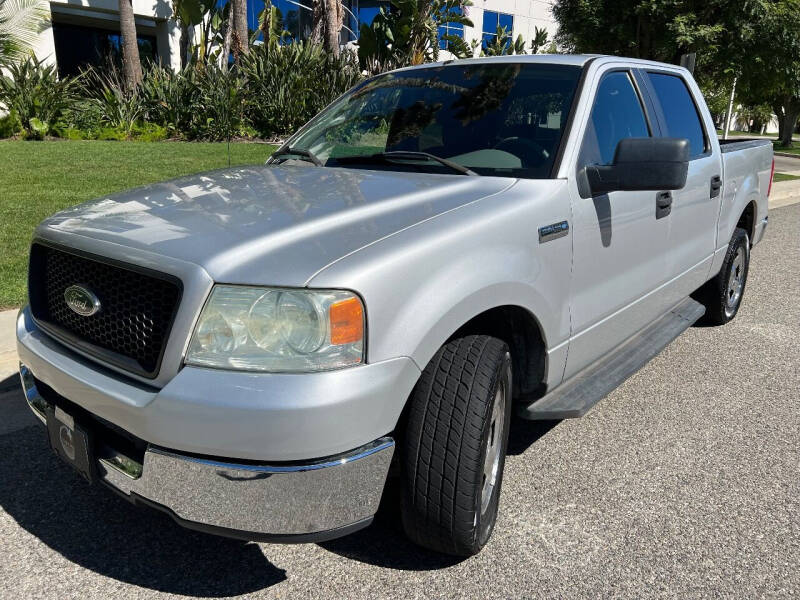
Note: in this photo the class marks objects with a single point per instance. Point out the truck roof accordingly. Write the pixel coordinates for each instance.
(577, 60)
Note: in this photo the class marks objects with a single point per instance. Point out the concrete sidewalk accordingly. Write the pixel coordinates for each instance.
(784, 193)
(9, 364)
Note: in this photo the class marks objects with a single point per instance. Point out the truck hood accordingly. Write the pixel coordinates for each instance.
(271, 225)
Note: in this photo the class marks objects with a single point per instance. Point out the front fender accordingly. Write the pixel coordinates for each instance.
(424, 283)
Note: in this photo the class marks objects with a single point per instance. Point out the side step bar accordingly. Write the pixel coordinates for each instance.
(574, 398)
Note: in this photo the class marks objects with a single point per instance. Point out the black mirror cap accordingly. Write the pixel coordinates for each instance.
(652, 150)
(642, 164)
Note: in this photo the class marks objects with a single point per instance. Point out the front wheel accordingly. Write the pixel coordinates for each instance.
(455, 446)
(723, 294)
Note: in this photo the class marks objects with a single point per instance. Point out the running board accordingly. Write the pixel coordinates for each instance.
(575, 397)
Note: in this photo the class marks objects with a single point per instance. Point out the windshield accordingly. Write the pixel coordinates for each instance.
(503, 119)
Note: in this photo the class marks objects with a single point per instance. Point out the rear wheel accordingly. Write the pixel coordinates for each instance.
(723, 294)
(455, 446)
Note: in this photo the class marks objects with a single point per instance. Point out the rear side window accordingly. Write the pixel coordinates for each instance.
(680, 113)
(617, 114)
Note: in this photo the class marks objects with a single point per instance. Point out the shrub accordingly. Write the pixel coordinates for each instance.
(219, 104)
(82, 116)
(169, 98)
(37, 95)
(116, 134)
(73, 133)
(200, 102)
(115, 106)
(10, 125)
(149, 132)
(287, 85)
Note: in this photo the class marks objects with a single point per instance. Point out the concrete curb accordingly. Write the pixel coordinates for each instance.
(9, 363)
(784, 193)
(786, 154)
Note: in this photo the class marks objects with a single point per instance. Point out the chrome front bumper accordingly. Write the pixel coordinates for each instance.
(295, 502)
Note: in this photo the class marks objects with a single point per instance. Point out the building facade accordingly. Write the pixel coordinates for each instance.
(85, 32)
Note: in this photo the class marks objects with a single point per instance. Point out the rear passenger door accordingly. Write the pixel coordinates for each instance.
(696, 207)
(619, 246)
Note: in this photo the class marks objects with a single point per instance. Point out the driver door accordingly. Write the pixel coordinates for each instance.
(620, 247)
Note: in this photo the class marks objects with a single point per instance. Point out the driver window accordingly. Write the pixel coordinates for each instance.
(617, 114)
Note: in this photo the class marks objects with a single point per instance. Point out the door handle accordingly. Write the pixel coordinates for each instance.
(716, 185)
(663, 204)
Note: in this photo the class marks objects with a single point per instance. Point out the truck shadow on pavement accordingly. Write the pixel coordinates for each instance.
(384, 544)
(94, 528)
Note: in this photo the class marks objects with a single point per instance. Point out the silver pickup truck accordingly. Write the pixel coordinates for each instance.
(255, 350)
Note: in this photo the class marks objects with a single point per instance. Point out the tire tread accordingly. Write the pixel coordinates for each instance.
(443, 443)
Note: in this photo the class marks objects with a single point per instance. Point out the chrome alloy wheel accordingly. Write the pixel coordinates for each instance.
(733, 292)
(494, 446)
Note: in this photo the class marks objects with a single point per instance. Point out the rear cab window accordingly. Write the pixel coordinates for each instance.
(679, 115)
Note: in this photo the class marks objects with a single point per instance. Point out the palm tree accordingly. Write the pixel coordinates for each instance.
(328, 17)
(334, 16)
(20, 24)
(241, 33)
(131, 65)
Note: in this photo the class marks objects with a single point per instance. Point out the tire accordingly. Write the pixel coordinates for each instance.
(459, 407)
(723, 294)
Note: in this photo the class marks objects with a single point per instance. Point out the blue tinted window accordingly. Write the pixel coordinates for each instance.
(617, 114)
(294, 17)
(491, 21)
(680, 112)
(454, 29)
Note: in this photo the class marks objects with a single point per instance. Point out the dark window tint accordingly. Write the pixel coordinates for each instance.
(78, 47)
(503, 119)
(680, 113)
(617, 114)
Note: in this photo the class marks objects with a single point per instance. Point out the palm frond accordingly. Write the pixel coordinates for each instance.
(21, 21)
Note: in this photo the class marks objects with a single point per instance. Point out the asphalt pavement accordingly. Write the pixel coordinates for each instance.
(685, 481)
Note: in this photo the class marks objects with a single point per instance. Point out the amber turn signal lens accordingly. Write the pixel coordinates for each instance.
(347, 321)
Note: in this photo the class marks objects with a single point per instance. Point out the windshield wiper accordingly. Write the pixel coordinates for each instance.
(406, 155)
(299, 152)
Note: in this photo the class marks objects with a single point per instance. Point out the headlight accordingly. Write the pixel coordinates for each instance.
(278, 330)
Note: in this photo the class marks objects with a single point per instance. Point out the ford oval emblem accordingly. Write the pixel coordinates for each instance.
(81, 300)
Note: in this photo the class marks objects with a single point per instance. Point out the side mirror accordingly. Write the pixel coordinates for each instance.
(642, 164)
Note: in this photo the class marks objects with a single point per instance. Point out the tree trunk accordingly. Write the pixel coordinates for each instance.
(241, 35)
(131, 65)
(790, 116)
(317, 22)
(333, 25)
(777, 108)
(184, 45)
(227, 40)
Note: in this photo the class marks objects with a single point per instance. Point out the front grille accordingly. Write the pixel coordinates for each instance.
(137, 307)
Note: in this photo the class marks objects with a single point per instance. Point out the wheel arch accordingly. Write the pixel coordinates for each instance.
(522, 332)
(747, 219)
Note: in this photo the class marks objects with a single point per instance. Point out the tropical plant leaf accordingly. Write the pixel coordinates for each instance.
(21, 22)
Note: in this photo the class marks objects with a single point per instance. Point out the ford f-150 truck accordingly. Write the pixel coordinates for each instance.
(252, 350)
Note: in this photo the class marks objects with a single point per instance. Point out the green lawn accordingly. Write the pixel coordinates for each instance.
(795, 149)
(735, 133)
(40, 178)
(784, 177)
